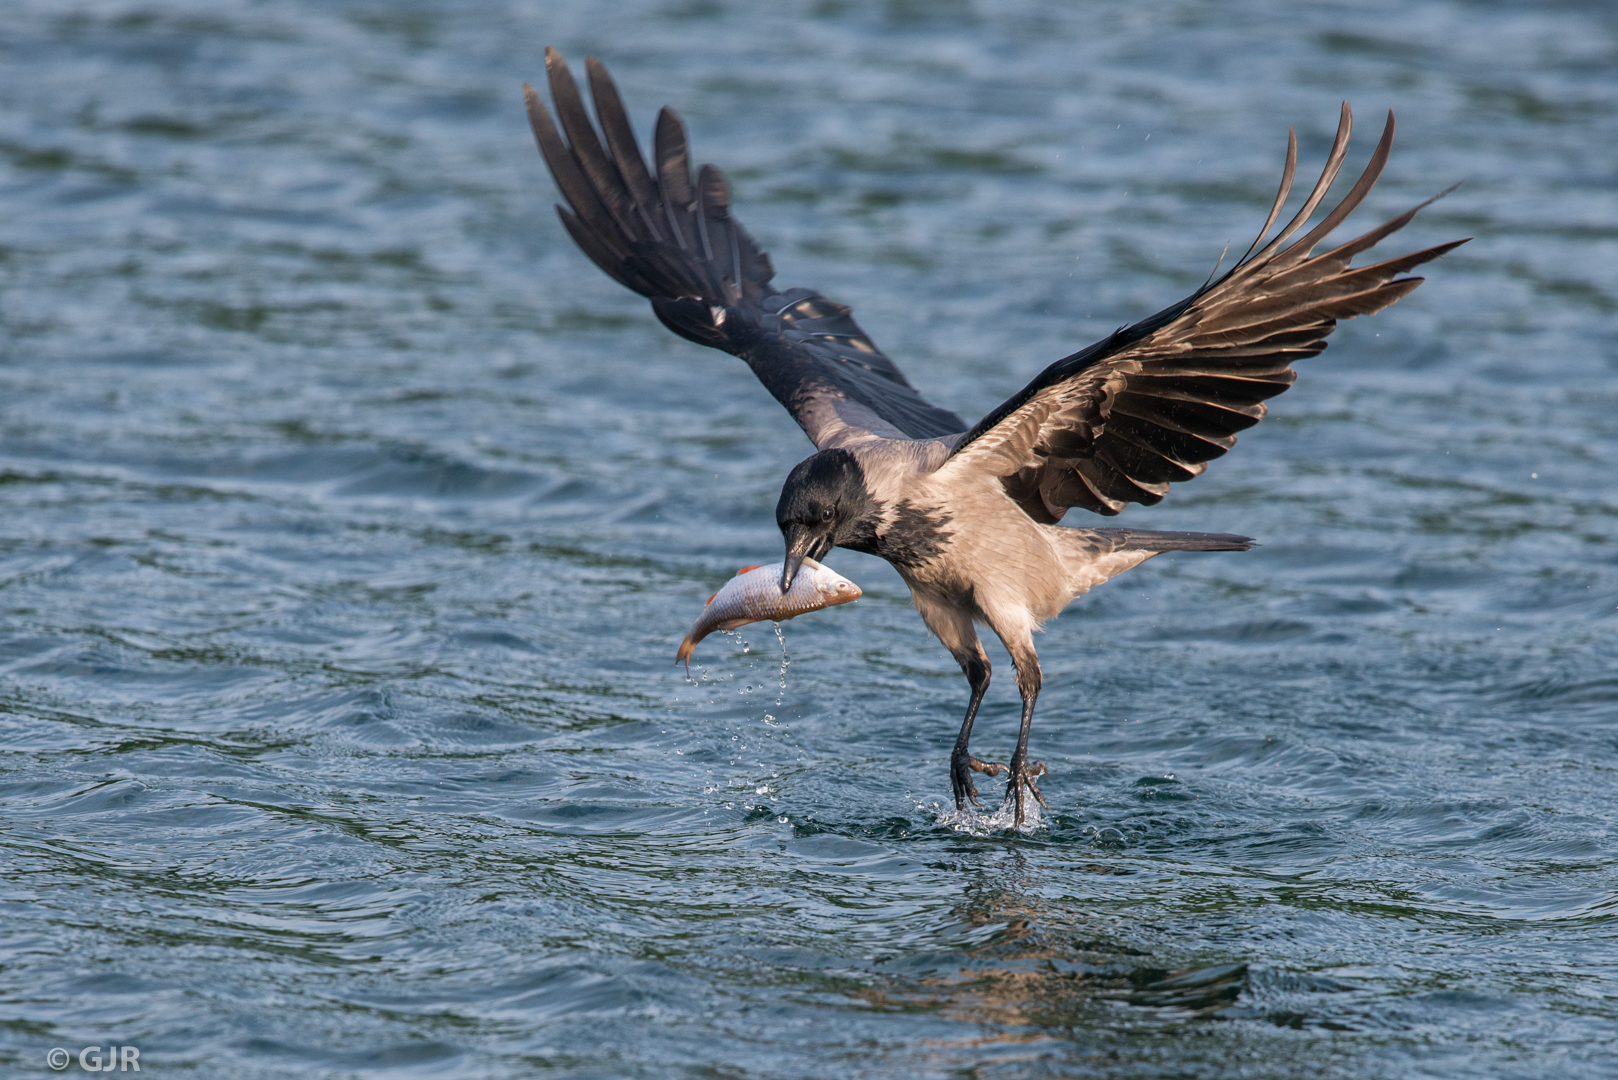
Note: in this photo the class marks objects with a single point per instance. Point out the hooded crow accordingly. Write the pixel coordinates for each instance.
(968, 514)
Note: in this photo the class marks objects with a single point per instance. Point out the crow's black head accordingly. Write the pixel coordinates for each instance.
(823, 503)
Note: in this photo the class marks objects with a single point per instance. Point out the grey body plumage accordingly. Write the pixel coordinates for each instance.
(968, 516)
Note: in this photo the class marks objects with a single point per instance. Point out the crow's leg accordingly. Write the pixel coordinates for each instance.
(1022, 770)
(961, 762)
(953, 625)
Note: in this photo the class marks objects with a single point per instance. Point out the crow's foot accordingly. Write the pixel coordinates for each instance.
(1023, 772)
(961, 767)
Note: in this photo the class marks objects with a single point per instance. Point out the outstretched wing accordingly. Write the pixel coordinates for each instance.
(674, 241)
(1155, 402)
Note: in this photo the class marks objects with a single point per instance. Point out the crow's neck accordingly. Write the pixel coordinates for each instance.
(861, 533)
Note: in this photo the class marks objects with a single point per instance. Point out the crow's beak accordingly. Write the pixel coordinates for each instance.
(800, 542)
(790, 572)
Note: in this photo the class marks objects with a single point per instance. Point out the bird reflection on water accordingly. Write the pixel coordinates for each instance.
(1026, 973)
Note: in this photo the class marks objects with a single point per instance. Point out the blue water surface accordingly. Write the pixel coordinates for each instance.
(351, 520)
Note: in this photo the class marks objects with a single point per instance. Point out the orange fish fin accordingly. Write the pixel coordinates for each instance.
(745, 569)
(708, 601)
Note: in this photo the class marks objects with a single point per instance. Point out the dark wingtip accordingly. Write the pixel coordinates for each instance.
(668, 114)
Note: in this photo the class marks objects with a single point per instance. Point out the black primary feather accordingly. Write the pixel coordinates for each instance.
(676, 242)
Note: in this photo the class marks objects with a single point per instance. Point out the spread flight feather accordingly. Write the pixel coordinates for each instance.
(1114, 423)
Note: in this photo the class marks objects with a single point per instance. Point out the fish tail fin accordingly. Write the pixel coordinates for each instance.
(686, 648)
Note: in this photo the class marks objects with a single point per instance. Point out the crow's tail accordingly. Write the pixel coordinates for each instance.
(1091, 556)
(1151, 540)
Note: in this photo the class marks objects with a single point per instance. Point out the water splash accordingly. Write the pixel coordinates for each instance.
(976, 822)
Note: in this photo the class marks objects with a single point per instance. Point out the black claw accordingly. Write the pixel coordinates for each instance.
(962, 766)
(1022, 775)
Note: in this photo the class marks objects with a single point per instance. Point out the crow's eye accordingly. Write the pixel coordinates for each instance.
(826, 514)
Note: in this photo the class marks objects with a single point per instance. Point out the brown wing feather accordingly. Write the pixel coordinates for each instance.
(1154, 403)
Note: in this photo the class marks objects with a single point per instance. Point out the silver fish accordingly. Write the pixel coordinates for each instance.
(754, 595)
